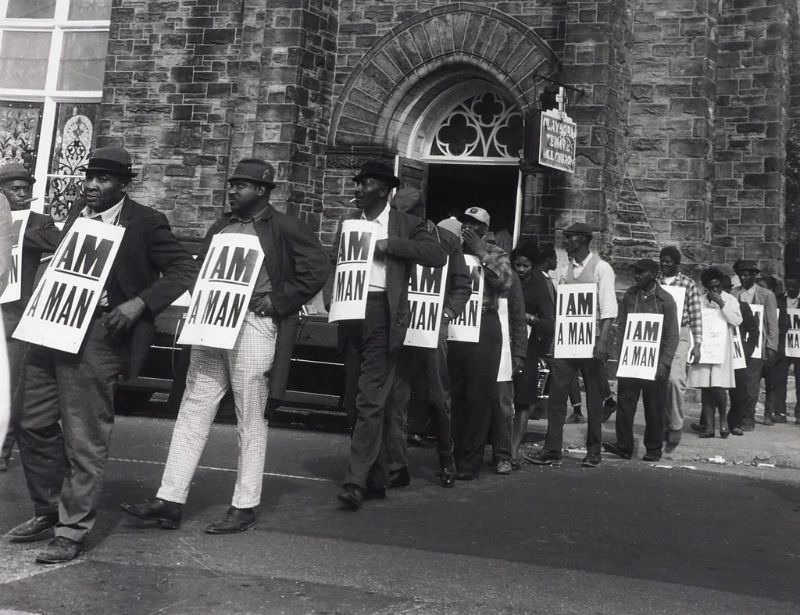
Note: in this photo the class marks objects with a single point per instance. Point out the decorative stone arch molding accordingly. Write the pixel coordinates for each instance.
(478, 39)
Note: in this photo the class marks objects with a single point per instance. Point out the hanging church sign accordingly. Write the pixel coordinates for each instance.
(62, 306)
(576, 318)
(13, 290)
(353, 265)
(425, 304)
(222, 293)
(557, 138)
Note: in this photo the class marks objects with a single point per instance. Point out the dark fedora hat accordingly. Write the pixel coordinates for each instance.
(114, 160)
(254, 170)
(15, 170)
(377, 169)
(746, 265)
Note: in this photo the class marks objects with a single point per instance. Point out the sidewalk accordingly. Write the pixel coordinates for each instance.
(778, 445)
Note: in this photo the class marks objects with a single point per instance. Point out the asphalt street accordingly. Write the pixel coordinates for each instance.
(627, 537)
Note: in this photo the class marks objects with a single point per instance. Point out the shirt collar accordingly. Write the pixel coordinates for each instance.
(581, 263)
(382, 218)
(109, 216)
(247, 220)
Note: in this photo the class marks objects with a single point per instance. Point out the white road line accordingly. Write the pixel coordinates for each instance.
(161, 463)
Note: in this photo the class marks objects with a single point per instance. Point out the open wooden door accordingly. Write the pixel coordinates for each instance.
(412, 174)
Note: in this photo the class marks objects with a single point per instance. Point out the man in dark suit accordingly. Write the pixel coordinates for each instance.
(41, 236)
(68, 413)
(402, 242)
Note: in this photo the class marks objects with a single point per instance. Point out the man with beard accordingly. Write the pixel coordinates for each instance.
(294, 269)
(68, 413)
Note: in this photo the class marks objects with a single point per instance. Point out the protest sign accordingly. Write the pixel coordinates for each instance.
(641, 345)
(758, 312)
(63, 303)
(714, 346)
(679, 295)
(467, 326)
(505, 370)
(222, 292)
(576, 318)
(19, 222)
(793, 333)
(425, 304)
(739, 360)
(353, 265)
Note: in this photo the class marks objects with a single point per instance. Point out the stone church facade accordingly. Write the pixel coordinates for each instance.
(687, 112)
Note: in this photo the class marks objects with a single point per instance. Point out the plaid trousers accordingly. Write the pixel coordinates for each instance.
(211, 372)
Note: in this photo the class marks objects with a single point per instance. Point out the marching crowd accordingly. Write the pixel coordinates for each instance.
(474, 393)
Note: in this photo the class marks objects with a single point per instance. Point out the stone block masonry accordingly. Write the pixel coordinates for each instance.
(686, 111)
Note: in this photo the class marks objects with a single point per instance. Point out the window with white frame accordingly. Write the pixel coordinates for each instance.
(52, 58)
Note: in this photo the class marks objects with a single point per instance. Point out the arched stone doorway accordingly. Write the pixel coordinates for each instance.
(395, 98)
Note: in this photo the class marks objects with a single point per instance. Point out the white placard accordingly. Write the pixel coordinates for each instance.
(679, 295)
(222, 292)
(576, 321)
(426, 290)
(467, 326)
(739, 360)
(714, 346)
(641, 346)
(13, 291)
(353, 267)
(758, 312)
(793, 333)
(505, 371)
(63, 303)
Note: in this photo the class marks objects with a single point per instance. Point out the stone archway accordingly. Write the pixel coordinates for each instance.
(507, 50)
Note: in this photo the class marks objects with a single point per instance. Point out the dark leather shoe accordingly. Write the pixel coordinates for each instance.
(768, 420)
(737, 431)
(592, 460)
(34, 529)
(652, 456)
(544, 458)
(236, 520)
(166, 513)
(724, 433)
(352, 496)
(415, 439)
(615, 449)
(59, 550)
(399, 478)
(779, 418)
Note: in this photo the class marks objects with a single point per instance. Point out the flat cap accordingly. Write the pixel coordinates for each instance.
(579, 228)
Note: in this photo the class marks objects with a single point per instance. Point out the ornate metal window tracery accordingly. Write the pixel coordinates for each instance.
(483, 126)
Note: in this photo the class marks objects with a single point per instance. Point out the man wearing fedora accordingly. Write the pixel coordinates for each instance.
(585, 267)
(401, 241)
(474, 366)
(41, 236)
(748, 379)
(65, 426)
(294, 269)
